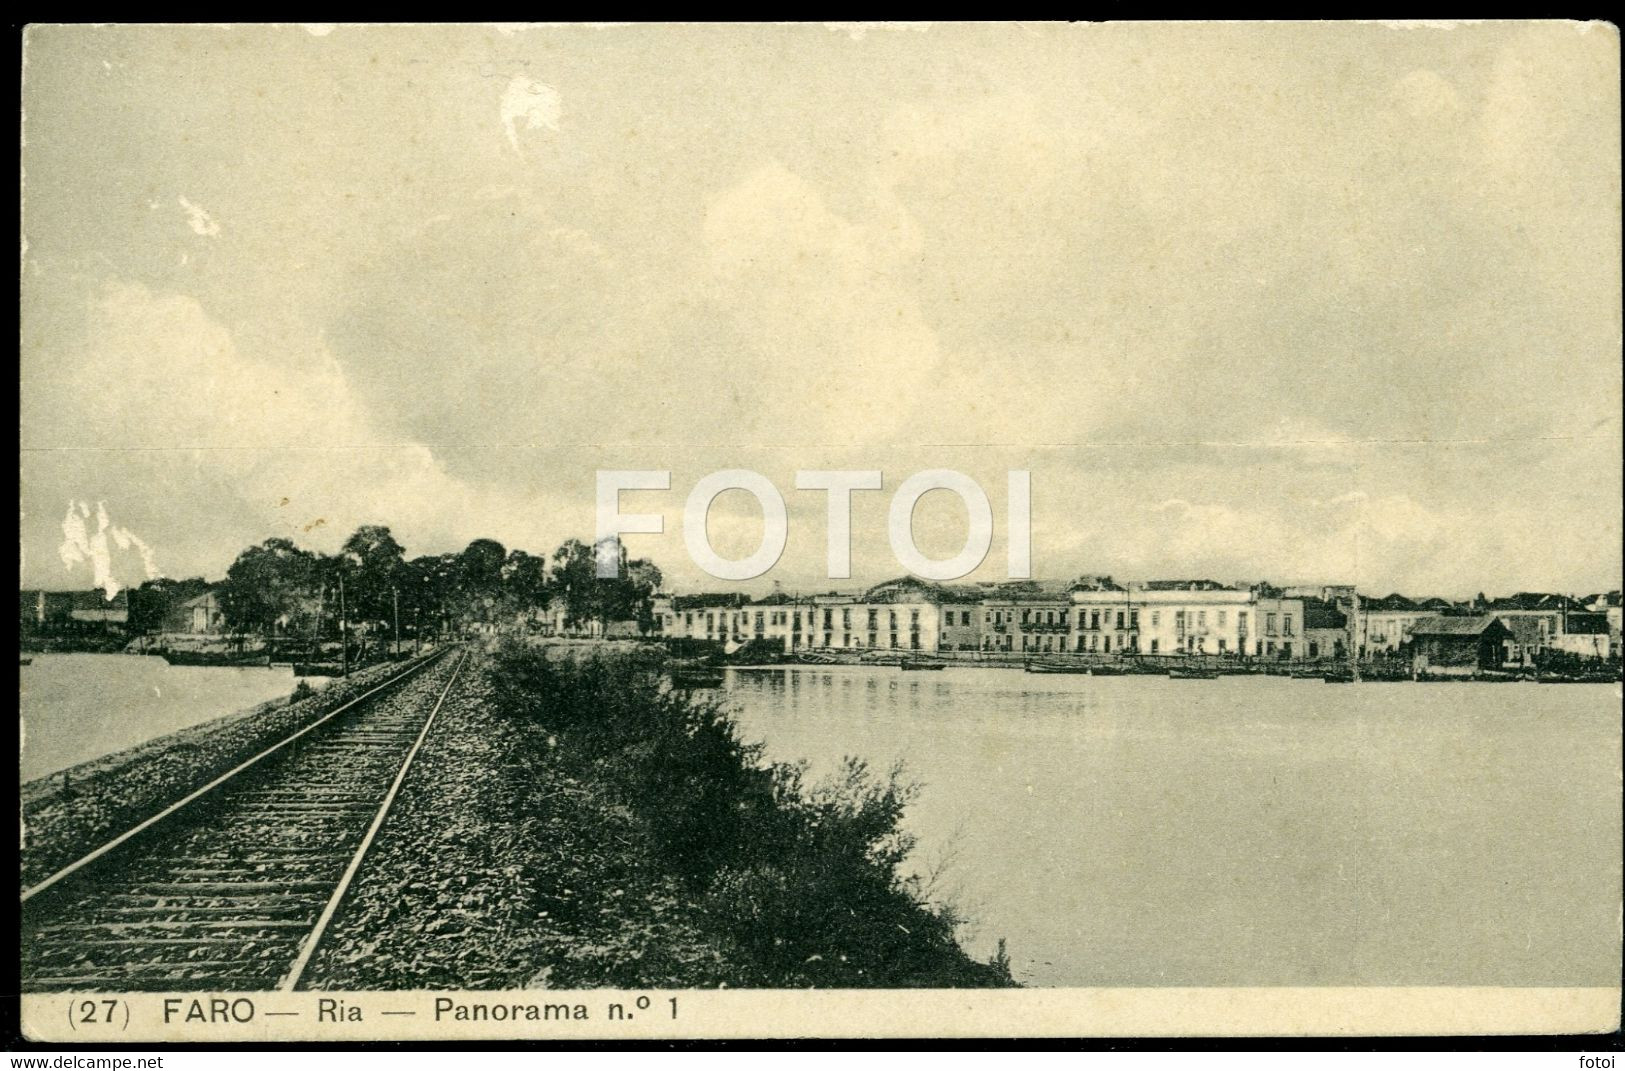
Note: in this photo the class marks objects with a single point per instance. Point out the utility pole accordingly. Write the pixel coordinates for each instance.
(1354, 637)
(417, 629)
(395, 595)
(344, 633)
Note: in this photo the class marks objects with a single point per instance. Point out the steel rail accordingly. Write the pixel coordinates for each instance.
(124, 838)
(291, 980)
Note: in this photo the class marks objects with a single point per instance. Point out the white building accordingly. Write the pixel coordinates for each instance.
(1194, 619)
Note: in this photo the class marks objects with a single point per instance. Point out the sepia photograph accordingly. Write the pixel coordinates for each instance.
(819, 530)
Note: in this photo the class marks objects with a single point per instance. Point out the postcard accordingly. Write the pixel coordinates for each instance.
(856, 531)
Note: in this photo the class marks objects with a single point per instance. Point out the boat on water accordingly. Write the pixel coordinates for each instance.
(697, 677)
(26, 662)
(1578, 678)
(214, 658)
(1193, 674)
(1055, 667)
(920, 663)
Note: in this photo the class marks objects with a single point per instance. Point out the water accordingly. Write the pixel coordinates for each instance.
(83, 706)
(1142, 831)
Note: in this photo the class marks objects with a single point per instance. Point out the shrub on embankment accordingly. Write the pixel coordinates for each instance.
(74, 811)
(799, 884)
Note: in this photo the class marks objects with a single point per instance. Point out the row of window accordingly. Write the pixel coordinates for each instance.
(1090, 620)
(857, 641)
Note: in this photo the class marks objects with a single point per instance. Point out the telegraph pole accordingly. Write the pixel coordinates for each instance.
(1354, 637)
(344, 633)
(395, 594)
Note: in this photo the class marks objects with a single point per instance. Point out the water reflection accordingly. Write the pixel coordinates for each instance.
(1260, 831)
(82, 706)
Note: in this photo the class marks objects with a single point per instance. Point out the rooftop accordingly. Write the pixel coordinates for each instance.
(1456, 626)
(1184, 585)
(1535, 600)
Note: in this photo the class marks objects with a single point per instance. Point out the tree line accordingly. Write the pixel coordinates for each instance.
(280, 588)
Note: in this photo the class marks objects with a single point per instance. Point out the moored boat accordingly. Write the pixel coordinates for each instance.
(920, 663)
(214, 658)
(1193, 674)
(697, 677)
(1057, 667)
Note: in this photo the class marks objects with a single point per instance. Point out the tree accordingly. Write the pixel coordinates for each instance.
(479, 578)
(429, 589)
(589, 597)
(573, 580)
(267, 583)
(373, 562)
(479, 566)
(151, 602)
(643, 579)
(524, 581)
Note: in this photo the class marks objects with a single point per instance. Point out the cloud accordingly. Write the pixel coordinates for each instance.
(1093, 245)
(175, 416)
(818, 297)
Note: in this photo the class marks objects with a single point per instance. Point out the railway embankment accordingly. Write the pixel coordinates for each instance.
(74, 810)
(573, 823)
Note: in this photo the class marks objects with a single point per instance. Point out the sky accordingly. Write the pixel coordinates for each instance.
(1306, 302)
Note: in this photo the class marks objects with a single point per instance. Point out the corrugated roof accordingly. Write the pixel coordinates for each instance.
(708, 601)
(1186, 585)
(1534, 600)
(1392, 601)
(1454, 626)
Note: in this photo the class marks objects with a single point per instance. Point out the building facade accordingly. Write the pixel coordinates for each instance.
(1106, 620)
(1025, 623)
(1325, 629)
(1385, 624)
(1199, 618)
(1585, 635)
(73, 611)
(1458, 646)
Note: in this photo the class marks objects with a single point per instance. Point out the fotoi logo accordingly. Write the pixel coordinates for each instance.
(838, 485)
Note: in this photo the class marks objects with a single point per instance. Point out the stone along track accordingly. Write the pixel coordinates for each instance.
(233, 887)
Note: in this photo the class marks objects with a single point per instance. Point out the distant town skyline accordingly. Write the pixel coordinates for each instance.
(110, 566)
(1312, 303)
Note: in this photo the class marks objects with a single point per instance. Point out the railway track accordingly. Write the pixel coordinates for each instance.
(233, 887)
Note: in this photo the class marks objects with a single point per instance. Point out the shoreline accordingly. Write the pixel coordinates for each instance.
(73, 810)
(574, 825)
